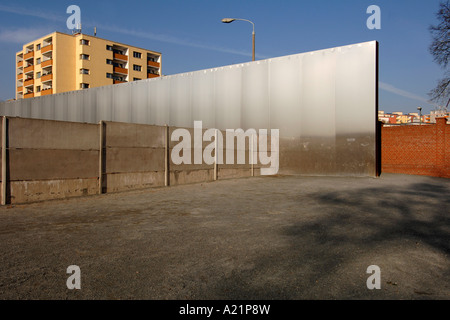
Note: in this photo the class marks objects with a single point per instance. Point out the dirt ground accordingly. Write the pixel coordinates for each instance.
(281, 238)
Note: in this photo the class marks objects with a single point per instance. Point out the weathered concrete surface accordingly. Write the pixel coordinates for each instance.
(32, 191)
(31, 164)
(256, 238)
(51, 159)
(121, 160)
(49, 134)
(133, 181)
(134, 135)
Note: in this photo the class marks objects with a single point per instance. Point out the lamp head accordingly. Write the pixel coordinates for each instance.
(228, 20)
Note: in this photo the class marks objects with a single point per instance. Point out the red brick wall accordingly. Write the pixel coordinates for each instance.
(420, 150)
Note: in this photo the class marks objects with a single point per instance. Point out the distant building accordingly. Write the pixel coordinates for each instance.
(400, 118)
(431, 118)
(387, 118)
(62, 62)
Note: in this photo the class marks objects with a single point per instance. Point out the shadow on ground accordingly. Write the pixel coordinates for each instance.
(403, 229)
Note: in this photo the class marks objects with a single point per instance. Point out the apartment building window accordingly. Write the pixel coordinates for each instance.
(137, 54)
(137, 68)
(84, 42)
(84, 56)
(38, 89)
(109, 61)
(84, 85)
(109, 75)
(38, 75)
(38, 47)
(109, 48)
(38, 61)
(84, 71)
(136, 79)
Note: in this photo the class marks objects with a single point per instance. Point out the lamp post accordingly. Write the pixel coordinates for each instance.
(420, 114)
(229, 20)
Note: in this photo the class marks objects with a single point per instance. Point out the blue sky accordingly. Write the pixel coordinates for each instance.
(190, 35)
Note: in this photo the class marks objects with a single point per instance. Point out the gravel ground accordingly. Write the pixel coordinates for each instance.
(264, 238)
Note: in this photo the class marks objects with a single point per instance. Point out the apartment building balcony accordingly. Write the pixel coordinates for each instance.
(20, 76)
(118, 81)
(152, 75)
(28, 83)
(47, 48)
(28, 95)
(120, 70)
(122, 57)
(46, 92)
(19, 89)
(151, 63)
(47, 63)
(20, 64)
(28, 69)
(47, 77)
(28, 55)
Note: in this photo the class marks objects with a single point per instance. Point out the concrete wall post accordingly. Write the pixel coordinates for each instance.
(216, 157)
(252, 157)
(4, 164)
(167, 156)
(101, 167)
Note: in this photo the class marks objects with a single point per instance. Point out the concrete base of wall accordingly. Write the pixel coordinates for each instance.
(33, 191)
(236, 173)
(133, 181)
(191, 176)
(419, 170)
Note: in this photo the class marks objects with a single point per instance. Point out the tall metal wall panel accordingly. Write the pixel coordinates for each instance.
(324, 103)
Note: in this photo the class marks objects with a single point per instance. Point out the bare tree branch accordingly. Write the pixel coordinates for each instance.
(440, 49)
(441, 93)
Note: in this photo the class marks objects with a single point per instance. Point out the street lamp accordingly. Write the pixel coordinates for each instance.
(420, 114)
(229, 20)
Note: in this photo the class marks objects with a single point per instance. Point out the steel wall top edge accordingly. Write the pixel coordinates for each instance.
(190, 73)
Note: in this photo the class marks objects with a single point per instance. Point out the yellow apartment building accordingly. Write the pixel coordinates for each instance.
(62, 62)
